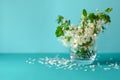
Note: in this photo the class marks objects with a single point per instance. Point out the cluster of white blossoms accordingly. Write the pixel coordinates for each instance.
(78, 35)
(81, 38)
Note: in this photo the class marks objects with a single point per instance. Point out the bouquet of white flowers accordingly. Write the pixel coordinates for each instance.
(81, 38)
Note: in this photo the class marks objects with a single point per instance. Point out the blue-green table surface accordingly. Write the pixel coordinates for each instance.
(14, 67)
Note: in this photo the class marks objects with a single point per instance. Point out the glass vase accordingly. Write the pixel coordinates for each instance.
(84, 55)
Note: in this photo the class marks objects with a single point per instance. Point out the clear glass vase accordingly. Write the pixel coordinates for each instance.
(83, 55)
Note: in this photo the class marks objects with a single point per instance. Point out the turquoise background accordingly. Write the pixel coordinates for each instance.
(28, 26)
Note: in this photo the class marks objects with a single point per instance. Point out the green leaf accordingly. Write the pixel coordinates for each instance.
(60, 18)
(107, 19)
(68, 22)
(103, 27)
(68, 38)
(87, 43)
(78, 53)
(91, 17)
(65, 27)
(59, 32)
(84, 13)
(83, 52)
(108, 10)
(101, 16)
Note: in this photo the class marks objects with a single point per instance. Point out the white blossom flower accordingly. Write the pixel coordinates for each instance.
(91, 24)
(64, 41)
(74, 42)
(72, 26)
(68, 33)
(64, 20)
